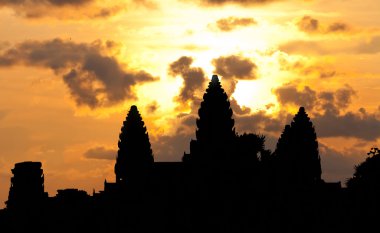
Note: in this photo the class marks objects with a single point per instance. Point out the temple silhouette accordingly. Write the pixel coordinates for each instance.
(229, 182)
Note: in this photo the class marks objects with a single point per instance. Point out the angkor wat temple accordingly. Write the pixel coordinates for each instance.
(228, 182)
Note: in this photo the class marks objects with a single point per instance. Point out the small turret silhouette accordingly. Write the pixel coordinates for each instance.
(297, 152)
(27, 186)
(134, 157)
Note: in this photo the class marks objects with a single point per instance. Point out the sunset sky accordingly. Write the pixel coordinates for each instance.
(70, 70)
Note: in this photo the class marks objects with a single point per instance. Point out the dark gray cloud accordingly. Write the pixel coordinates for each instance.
(337, 101)
(231, 23)
(324, 101)
(308, 24)
(237, 109)
(360, 125)
(328, 112)
(100, 153)
(338, 27)
(288, 94)
(69, 9)
(261, 122)
(338, 166)
(152, 107)
(235, 67)
(172, 147)
(312, 25)
(46, 2)
(94, 79)
(193, 78)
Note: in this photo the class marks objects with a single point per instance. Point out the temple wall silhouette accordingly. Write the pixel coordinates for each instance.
(229, 182)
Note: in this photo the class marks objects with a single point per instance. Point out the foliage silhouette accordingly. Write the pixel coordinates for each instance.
(367, 173)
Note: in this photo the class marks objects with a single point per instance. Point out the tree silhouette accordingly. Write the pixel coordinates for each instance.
(297, 152)
(134, 157)
(367, 174)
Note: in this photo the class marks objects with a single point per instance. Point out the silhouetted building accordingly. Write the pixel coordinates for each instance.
(215, 132)
(134, 158)
(298, 155)
(27, 186)
(228, 182)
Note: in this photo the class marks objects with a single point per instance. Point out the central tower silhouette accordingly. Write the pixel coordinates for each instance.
(215, 127)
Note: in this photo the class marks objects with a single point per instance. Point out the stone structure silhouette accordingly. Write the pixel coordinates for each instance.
(297, 152)
(134, 158)
(27, 186)
(215, 132)
(228, 182)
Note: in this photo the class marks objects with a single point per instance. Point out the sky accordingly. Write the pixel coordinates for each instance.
(70, 70)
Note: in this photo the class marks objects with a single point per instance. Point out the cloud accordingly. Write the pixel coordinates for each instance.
(152, 107)
(336, 165)
(370, 47)
(193, 78)
(288, 94)
(237, 2)
(46, 2)
(312, 25)
(68, 9)
(261, 122)
(171, 147)
(323, 71)
(93, 78)
(235, 67)
(335, 102)
(308, 24)
(338, 27)
(3, 113)
(361, 125)
(232, 23)
(328, 110)
(324, 101)
(237, 109)
(101, 152)
(305, 47)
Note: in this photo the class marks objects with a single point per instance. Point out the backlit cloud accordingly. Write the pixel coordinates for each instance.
(193, 78)
(311, 25)
(68, 9)
(100, 152)
(232, 23)
(235, 67)
(93, 78)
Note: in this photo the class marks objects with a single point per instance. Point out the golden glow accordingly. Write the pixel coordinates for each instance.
(37, 109)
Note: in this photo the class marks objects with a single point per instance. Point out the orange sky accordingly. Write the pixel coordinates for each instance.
(69, 72)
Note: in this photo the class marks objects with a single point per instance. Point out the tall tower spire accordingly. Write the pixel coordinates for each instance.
(134, 157)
